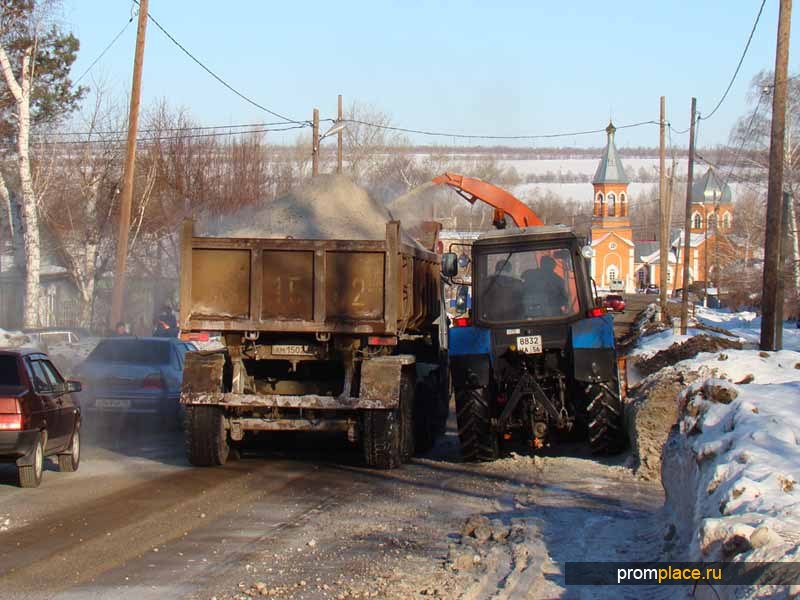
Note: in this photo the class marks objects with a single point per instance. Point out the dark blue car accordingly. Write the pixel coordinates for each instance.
(134, 375)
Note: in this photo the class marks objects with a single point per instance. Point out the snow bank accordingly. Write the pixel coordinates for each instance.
(65, 356)
(732, 466)
(13, 339)
(746, 325)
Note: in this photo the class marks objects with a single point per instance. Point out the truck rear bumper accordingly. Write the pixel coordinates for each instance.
(308, 401)
(380, 388)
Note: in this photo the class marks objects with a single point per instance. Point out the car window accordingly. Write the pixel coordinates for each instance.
(9, 373)
(41, 382)
(52, 371)
(131, 350)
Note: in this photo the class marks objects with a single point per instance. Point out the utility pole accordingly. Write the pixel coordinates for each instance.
(687, 222)
(705, 256)
(670, 182)
(315, 144)
(339, 138)
(785, 242)
(663, 252)
(126, 196)
(772, 241)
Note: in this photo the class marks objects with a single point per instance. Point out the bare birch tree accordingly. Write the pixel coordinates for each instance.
(35, 58)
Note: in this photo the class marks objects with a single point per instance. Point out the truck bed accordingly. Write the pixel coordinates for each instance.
(304, 286)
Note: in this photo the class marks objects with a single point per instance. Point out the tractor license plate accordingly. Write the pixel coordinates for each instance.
(529, 344)
(292, 350)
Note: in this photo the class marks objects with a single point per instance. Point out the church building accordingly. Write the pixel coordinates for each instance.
(622, 262)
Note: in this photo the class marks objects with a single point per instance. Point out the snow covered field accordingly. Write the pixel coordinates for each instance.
(731, 474)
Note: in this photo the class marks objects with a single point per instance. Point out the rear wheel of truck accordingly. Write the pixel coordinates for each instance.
(478, 441)
(382, 445)
(388, 435)
(605, 418)
(206, 436)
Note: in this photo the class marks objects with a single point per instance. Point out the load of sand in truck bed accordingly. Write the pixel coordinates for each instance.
(329, 207)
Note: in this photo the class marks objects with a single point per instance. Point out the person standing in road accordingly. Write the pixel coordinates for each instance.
(166, 323)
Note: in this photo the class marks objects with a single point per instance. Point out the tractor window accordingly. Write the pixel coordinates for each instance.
(528, 285)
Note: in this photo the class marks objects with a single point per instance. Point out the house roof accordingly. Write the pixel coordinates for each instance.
(695, 239)
(610, 169)
(643, 250)
(710, 189)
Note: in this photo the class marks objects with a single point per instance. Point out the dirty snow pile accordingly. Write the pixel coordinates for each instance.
(13, 339)
(328, 207)
(65, 356)
(731, 469)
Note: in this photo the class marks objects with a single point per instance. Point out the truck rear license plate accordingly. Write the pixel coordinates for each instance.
(529, 344)
(292, 350)
(112, 403)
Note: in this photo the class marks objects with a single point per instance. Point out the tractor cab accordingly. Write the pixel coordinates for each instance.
(535, 355)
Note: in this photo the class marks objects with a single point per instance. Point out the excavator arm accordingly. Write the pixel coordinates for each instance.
(472, 189)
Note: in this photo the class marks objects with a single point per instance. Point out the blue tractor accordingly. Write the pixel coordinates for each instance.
(534, 357)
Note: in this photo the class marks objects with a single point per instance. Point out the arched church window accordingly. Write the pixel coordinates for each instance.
(612, 205)
(623, 207)
(712, 221)
(698, 221)
(599, 206)
(726, 220)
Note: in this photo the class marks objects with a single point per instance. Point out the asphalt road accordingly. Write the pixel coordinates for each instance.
(634, 305)
(303, 517)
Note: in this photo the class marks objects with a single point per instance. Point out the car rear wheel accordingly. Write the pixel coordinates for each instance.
(69, 461)
(30, 476)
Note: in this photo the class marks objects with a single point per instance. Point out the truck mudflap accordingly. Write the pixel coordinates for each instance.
(380, 388)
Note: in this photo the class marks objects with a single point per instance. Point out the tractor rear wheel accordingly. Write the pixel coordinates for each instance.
(605, 418)
(478, 441)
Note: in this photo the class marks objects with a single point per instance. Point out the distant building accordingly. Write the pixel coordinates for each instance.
(618, 257)
(612, 235)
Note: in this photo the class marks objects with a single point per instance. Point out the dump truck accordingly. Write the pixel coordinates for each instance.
(318, 335)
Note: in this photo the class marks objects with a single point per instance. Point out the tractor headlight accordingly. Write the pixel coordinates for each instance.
(587, 252)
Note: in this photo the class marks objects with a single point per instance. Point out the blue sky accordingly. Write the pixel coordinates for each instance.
(499, 67)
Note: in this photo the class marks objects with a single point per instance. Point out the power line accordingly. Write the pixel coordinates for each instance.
(490, 137)
(678, 131)
(741, 60)
(735, 162)
(365, 123)
(288, 127)
(160, 129)
(102, 54)
(217, 77)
